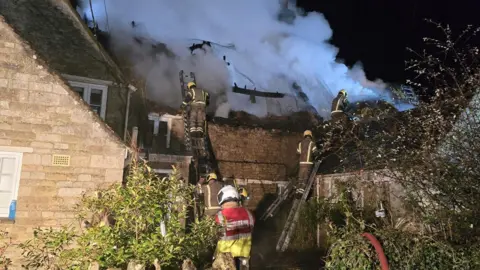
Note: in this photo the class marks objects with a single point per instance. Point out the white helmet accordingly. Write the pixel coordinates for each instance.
(227, 194)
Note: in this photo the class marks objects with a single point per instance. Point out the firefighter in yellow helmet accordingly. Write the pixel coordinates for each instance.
(198, 100)
(307, 149)
(210, 189)
(339, 108)
(243, 195)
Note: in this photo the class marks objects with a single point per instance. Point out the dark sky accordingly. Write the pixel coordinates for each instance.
(376, 32)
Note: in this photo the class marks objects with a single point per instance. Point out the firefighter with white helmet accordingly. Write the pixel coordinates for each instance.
(306, 149)
(237, 225)
(198, 100)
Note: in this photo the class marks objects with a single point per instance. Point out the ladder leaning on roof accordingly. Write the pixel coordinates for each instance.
(293, 216)
(199, 147)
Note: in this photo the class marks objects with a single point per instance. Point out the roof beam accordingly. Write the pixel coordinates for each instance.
(256, 93)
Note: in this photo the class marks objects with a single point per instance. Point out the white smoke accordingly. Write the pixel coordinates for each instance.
(263, 51)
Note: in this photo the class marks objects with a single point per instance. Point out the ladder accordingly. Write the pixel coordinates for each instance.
(293, 216)
(271, 210)
(198, 146)
(184, 80)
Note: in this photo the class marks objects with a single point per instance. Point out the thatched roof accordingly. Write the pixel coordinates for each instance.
(55, 31)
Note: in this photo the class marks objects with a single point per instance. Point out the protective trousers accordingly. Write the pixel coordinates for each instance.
(197, 119)
(303, 174)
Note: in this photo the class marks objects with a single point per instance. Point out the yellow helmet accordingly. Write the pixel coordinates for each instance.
(191, 84)
(343, 92)
(243, 192)
(212, 176)
(307, 133)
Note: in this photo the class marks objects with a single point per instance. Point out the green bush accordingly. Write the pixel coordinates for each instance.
(403, 249)
(148, 226)
(5, 262)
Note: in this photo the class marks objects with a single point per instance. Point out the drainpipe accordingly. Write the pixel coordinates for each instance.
(131, 89)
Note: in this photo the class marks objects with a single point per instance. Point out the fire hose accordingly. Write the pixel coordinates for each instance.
(378, 248)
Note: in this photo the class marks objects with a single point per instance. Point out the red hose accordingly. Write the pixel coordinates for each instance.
(378, 249)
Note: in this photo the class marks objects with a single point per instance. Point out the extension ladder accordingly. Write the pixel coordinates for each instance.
(198, 146)
(293, 216)
(184, 80)
(271, 210)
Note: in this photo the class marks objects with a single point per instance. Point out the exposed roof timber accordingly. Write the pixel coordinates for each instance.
(256, 93)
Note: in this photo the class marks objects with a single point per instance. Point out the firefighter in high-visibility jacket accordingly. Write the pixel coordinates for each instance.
(210, 189)
(307, 150)
(339, 107)
(198, 100)
(237, 225)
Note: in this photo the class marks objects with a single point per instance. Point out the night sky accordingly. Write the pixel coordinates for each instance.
(376, 32)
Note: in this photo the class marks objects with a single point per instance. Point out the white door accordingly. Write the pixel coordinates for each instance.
(10, 165)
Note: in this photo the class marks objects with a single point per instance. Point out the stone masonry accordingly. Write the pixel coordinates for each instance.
(41, 117)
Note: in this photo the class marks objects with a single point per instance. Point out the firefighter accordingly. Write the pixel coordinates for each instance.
(237, 225)
(339, 107)
(198, 100)
(210, 189)
(307, 150)
(243, 195)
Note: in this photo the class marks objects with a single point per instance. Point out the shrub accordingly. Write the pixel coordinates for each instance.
(143, 222)
(5, 262)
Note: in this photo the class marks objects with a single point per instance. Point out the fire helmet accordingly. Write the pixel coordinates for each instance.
(228, 194)
(343, 92)
(212, 176)
(243, 192)
(307, 133)
(191, 84)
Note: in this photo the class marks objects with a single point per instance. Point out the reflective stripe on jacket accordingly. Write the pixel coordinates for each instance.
(237, 230)
(210, 191)
(305, 149)
(339, 104)
(196, 96)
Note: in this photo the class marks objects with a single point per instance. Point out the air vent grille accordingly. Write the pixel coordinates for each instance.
(61, 160)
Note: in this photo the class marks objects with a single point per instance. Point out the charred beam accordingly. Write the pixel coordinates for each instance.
(256, 93)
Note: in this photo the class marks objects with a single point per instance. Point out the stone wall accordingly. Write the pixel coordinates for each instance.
(369, 188)
(40, 117)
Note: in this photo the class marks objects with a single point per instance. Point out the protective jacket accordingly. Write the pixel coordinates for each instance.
(306, 149)
(339, 104)
(198, 100)
(237, 226)
(196, 96)
(210, 191)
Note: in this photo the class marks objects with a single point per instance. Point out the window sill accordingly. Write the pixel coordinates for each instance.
(4, 220)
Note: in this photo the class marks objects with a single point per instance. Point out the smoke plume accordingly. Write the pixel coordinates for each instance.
(263, 52)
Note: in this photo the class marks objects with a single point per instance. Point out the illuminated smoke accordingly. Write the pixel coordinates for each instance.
(265, 53)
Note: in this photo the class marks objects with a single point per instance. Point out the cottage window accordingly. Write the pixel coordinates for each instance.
(94, 95)
(10, 166)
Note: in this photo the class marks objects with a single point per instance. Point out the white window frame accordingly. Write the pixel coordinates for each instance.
(87, 92)
(16, 177)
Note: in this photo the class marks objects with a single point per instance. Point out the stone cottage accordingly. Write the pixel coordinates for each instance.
(53, 145)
